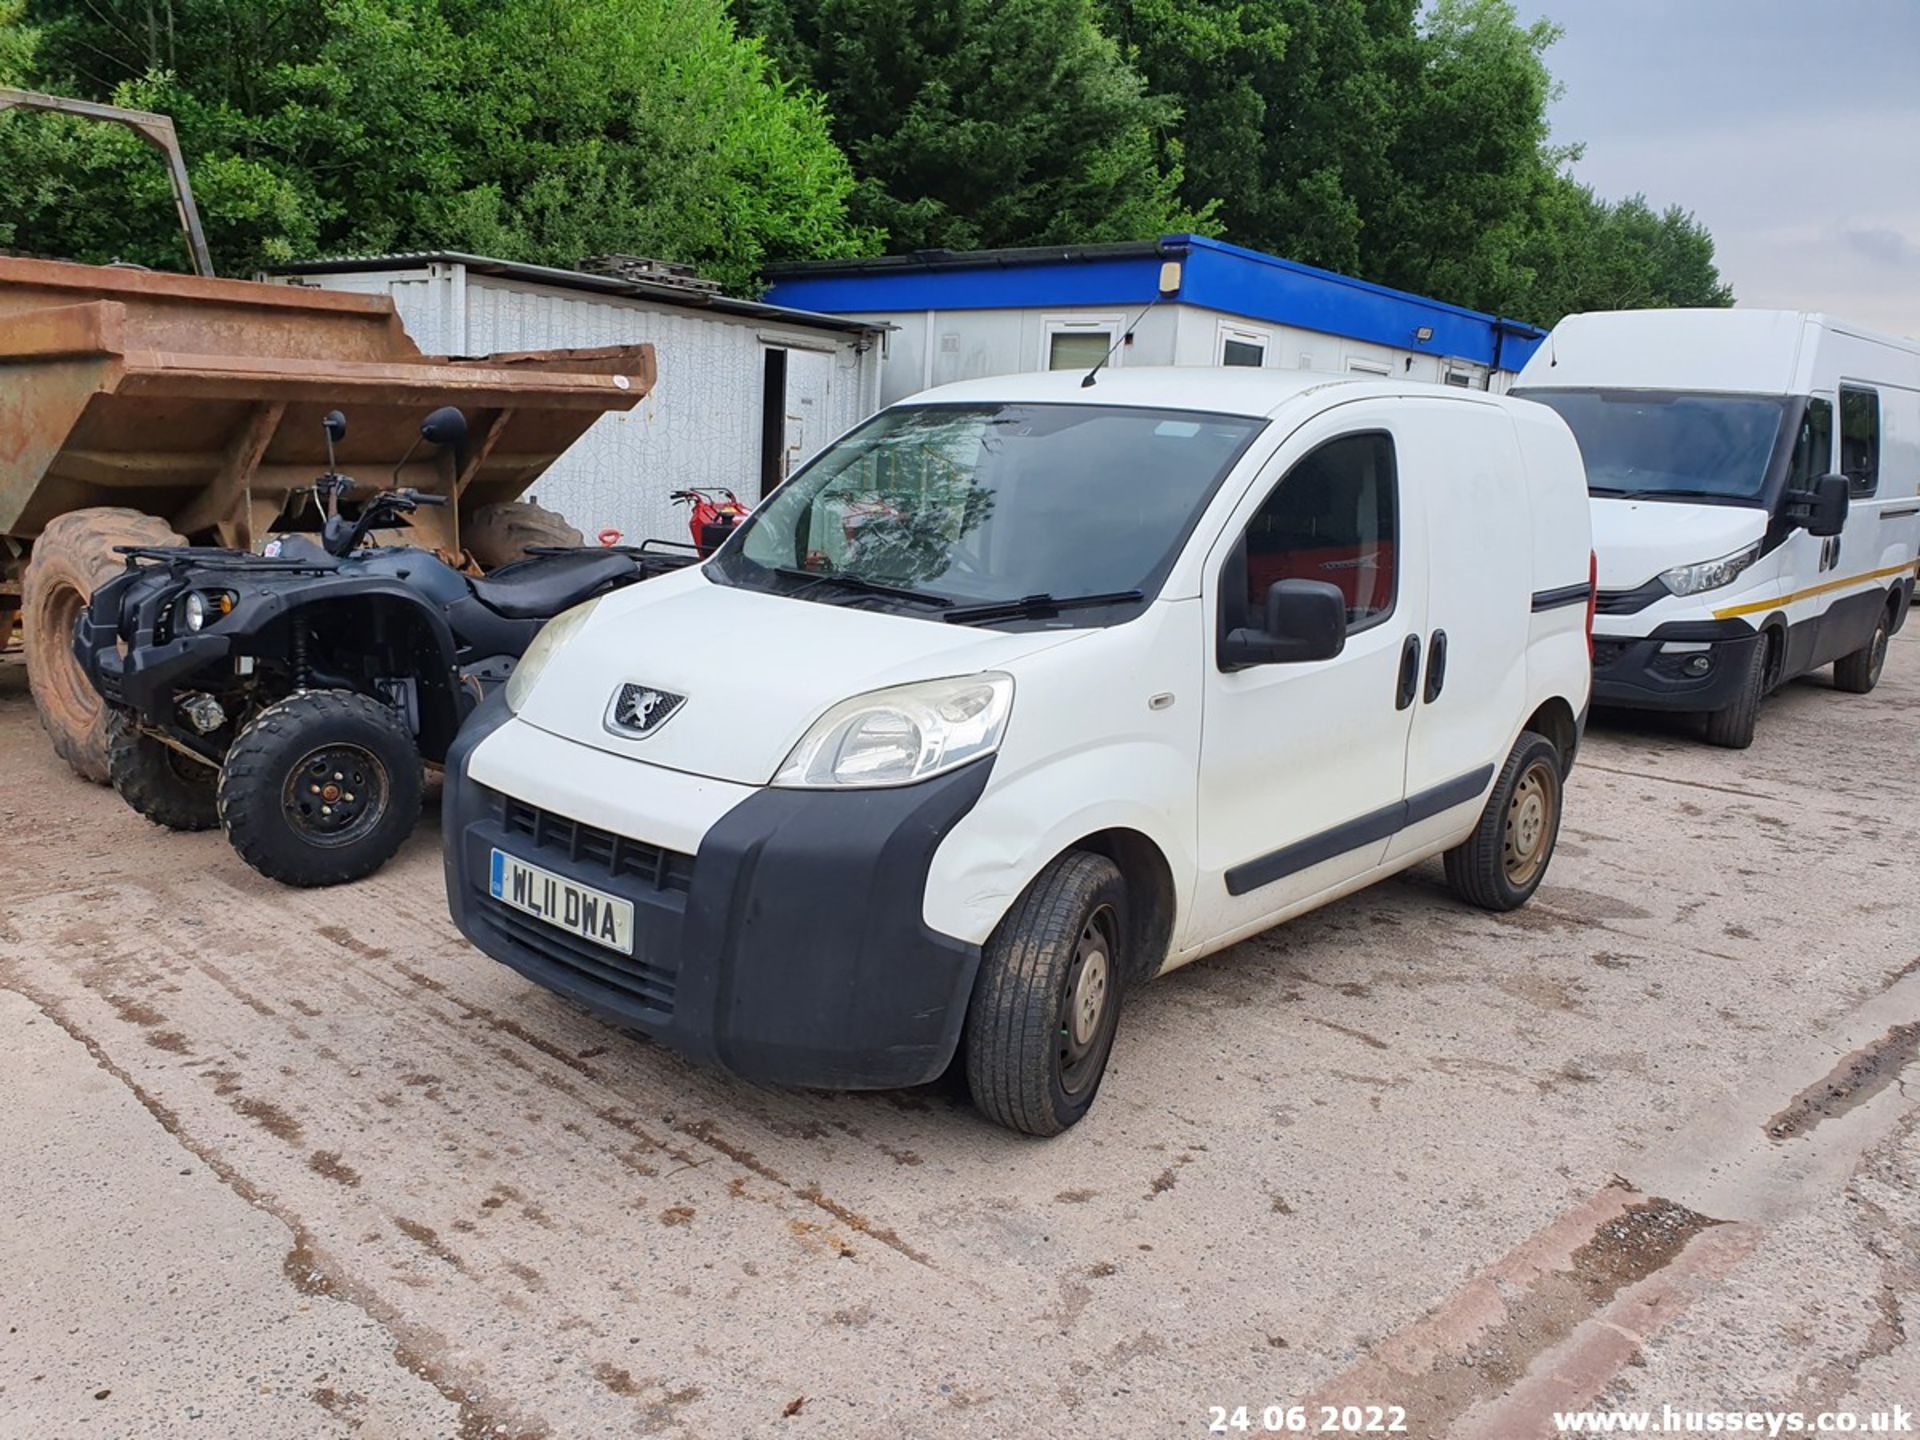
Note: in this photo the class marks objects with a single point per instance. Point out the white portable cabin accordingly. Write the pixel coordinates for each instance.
(1184, 299)
(746, 393)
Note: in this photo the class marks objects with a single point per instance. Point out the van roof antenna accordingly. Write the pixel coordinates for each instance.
(1170, 278)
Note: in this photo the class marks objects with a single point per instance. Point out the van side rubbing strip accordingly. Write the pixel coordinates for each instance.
(1555, 599)
(1374, 826)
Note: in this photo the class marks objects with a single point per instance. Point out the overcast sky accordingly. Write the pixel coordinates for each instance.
(1792, 130)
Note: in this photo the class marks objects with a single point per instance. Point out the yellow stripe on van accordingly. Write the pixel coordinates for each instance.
(1733, 611)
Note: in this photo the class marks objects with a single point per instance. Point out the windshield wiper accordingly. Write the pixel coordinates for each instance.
(1036, 607)
(1657, 491)
(857, 583)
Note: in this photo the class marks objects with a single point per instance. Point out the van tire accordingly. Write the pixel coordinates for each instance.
(1502, 863)
(282, 832)
(1030, 1067)
(1731, 728)
(1859, 672)
(159, 782)
(73, 557)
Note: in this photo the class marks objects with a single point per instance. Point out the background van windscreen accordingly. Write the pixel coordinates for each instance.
(1674, 446)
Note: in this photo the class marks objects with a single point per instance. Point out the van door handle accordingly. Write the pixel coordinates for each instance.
(1436, 664)
(1409, 673)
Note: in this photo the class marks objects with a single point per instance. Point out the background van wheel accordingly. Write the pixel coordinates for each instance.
(167, 787)
(1502, 863)
(501, 534)
(71, 559)
(321, 788)
(1041, 1024)
(1860, 672)
(1731, 728)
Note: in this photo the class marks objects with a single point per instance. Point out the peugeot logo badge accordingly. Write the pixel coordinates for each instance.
(639, 710)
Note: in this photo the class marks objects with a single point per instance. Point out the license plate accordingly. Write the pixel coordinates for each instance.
(577, 909)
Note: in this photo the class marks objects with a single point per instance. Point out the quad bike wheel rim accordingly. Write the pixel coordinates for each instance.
(1530, 816)
(1088, 1000)
(335, 795)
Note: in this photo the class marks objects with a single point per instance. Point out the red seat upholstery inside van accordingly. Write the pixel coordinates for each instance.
(1364, 574)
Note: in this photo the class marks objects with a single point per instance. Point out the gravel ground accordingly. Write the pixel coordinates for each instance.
(295, 1163)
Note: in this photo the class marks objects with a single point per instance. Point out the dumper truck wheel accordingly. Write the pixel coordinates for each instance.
(74, 556)
(1502, 863)
(501, 534)
(168, 787)
(1047, 999)
(321, 788)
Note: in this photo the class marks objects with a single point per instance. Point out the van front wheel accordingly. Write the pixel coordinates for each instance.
(1731, 728)
(1041, 1024)
(1502, 863)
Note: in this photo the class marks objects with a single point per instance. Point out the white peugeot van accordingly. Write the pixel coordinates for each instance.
(1737, 550)
(1022, 692)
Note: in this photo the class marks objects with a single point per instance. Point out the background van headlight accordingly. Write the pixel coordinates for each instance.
(1710, 574)
(553, 635)
(902, 734)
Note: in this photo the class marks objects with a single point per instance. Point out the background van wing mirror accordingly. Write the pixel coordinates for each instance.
(1822, 507)
(1305, 620)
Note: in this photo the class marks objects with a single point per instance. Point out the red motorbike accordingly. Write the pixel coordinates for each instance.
(711, 517)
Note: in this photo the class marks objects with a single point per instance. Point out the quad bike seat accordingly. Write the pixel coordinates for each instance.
(541, 587)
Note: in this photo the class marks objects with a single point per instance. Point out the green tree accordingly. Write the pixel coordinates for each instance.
(541, 130)
(978, 123)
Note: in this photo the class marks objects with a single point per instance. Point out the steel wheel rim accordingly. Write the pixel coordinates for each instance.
(335, 795)
(1086, 1004)
(1529, 827)
(1879, 657)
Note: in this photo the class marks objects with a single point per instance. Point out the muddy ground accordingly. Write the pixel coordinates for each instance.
(291, 1164)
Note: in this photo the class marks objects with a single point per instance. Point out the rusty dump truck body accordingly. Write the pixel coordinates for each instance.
(199, 401)
(146, 408)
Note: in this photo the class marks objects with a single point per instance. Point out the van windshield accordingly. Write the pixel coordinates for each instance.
(1667, 446)
(963, 508)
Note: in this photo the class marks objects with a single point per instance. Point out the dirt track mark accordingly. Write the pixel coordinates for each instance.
(1854, 1081)
(347, 940)
(270, 1118)
(329, 1164)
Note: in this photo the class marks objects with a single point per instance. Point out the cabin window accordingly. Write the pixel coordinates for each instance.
(1242, 347)
(1081, 343)
(1331, 518)
(1813, 448)
(1860, 439)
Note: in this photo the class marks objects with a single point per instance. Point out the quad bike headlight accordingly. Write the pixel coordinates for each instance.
(201, 606)
(902, 734)
(194, 611)
(552, 638)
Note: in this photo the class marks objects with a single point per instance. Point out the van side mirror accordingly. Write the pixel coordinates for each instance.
(1305, 620)
(1822, 508)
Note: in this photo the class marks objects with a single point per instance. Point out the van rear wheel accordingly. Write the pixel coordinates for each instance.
(1860, 672)
(1502, 863)
(1047, 1000)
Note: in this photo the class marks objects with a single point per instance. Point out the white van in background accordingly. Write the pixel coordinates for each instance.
(1755, 477)
(1033, 689)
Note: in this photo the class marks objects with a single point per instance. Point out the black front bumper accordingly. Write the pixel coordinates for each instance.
(1631, 673)
(789, 950)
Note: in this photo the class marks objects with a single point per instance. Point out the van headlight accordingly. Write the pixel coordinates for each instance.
(553, 635)
(1710, 574)
(902, 734)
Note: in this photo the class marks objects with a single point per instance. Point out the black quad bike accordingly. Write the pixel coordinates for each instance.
(291, 696)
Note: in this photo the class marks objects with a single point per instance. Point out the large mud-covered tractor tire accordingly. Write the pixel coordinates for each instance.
(501, 534)
(72, 558)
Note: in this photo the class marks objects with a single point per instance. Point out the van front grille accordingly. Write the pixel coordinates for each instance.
(580, 843)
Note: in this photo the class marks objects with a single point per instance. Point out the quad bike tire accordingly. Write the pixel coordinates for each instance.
(158, 781)
(73, 557)
(320, 788)
(501, 534)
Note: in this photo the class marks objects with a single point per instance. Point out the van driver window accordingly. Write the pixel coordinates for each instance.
(1860, 440)
(1813, 449)
(1332, 518)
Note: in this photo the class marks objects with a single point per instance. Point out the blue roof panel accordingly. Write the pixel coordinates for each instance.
(1214, 276)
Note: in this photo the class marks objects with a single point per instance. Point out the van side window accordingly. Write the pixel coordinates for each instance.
(1332, 517)
(1860, 439)
(1813, 449)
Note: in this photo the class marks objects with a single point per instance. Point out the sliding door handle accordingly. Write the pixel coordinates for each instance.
(1409, 673)
(1436, 664)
